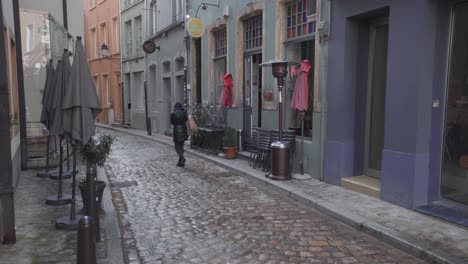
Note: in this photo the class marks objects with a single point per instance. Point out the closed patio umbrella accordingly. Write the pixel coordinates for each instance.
(80, 108)
(300, 100)
(47, 94)
(226, 95)
(63, 73)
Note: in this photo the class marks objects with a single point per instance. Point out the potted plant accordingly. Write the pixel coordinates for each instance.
(95, 154)
(268, 95)
(229, 143)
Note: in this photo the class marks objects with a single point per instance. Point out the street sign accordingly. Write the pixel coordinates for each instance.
(195, 27)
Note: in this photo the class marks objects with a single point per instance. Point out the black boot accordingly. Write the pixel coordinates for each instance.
(182, 162)
(179, 163)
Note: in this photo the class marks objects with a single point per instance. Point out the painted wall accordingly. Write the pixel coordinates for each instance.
(133, 63)
(273, 47)
(103, 22)
(411, 68)
(164, 70)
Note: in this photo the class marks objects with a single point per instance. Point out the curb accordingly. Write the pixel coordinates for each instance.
(399, 240)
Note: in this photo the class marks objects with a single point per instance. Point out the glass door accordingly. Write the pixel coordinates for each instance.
(454, 179)
(376, 97)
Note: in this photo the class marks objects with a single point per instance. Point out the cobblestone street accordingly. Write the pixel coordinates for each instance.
(205, 214)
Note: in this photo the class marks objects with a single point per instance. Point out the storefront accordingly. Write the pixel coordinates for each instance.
(397, 99)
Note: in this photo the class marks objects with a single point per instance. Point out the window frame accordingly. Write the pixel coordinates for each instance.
(295, 11)
(220, 38)
(253, 33)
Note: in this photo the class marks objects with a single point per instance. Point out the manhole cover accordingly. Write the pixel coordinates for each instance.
(123, 184)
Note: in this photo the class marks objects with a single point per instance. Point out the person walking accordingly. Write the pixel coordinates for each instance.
(179, 133)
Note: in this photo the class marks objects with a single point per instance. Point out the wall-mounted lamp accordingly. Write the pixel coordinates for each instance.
(204, 6)
(104, 50)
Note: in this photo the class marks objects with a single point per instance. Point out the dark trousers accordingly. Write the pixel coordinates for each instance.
(179, 148)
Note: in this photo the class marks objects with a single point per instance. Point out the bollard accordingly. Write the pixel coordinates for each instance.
(91, 203)
(86, 252)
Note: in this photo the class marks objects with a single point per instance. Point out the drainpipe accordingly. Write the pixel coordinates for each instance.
(65, 14)
(6, 176)
(21, 94)
(148, 119)
(324, 35)
(187, 51)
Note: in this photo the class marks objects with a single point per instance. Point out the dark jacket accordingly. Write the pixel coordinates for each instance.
(178, 120)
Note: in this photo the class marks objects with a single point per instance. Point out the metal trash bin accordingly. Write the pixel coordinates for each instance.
(280, 161)
(239, 140)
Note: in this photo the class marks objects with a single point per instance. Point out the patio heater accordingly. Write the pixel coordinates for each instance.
(280, 169)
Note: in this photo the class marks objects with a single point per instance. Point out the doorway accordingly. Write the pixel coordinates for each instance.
(454, 176)
(252, 94)
(128, 100)
(375, 114)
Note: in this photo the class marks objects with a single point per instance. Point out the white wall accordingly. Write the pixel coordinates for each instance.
(7, 6)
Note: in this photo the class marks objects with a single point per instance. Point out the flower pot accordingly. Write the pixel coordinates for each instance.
(230, 152)
(100, 186)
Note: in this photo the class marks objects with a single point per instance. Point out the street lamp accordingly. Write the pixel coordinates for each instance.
(279, 150)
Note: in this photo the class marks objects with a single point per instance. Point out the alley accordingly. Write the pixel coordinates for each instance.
(205, 214)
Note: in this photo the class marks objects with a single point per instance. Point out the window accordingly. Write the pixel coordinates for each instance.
(107, 88)
(153, 10)
(104, 34)
(116, 30)
(220, 43)
(138, 35)
(253, 33)
(29, 37)
(93, 43)
(219, 63)
(96, 85)
(92, 3)
(300, 18)
(128, 38)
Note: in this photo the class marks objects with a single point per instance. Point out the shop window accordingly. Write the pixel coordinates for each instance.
(300, 19)
(298, 52)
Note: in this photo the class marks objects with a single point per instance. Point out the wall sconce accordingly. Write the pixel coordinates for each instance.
(104, 50)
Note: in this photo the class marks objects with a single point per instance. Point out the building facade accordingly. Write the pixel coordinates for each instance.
(239, 36)
(102, 22)
(165, 67)
(397, 99)
(133, 17)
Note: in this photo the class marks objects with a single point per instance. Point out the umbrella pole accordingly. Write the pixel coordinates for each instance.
(70, 222)
(68, 155)
(301, 162)
(60, 198)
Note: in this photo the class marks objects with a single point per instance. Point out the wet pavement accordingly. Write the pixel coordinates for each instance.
(205, 214)
(37, 239)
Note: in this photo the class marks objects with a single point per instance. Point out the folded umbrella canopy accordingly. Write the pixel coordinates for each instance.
(226, 95)
(61, 87)
(81, 104)
(300, 98)
(47, 95)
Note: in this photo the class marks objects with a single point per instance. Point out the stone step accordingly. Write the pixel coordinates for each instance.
(362, 184)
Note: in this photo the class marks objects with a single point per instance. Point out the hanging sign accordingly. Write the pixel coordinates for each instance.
(195, 27)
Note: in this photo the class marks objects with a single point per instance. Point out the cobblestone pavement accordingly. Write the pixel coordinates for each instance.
(204, 214)
(38, 241)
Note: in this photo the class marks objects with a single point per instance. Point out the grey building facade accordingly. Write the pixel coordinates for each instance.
(133, 28)
(165, 67)
(239, 36)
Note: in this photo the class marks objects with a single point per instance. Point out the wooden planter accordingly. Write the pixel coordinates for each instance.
(230, 152)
